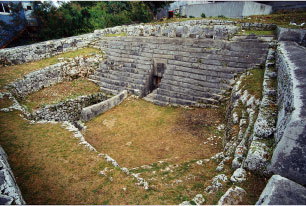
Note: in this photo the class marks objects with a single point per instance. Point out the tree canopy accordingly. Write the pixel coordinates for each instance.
(75, 18)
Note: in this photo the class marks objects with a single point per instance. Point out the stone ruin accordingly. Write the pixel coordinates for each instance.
(196, 63)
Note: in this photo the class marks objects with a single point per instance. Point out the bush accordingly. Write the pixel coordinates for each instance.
(203, 15)
(191, 16)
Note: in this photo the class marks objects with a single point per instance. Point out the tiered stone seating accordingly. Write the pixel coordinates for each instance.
(198, 71)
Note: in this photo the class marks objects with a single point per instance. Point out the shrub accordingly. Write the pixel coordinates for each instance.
(203, 15)
(191, 16)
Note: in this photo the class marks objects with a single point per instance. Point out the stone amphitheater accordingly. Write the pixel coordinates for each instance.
(196, 63)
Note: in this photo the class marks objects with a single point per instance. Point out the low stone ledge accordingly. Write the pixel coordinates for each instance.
(99, 108)
(282, 191)
(10, 192)
(69, 110)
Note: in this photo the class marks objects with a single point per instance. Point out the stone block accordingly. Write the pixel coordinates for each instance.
(282, 191)
(233, 196)
(295, 35)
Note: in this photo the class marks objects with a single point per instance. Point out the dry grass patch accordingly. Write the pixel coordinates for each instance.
(51, 167)
(60, 92)
(137, 132)
(5, 102)
(11, 73)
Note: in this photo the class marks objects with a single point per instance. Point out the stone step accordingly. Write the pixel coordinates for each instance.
(136, 71)
(164, 42)
(191, 91)
(128, 60)
(110, 87)
(200, 77)
(147, 52)
(180, 95)
(118, 73)
(172, 78)
(246, 62)
(135, 68)
(207, 70)
(150, 98)
(175, 101)
(122, 84)
(220, 72)
(107, 87)
(122, 78)
(191, 86)
(109, 91)
(108, 64)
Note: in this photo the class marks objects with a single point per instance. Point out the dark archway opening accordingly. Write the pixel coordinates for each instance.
(158, 71)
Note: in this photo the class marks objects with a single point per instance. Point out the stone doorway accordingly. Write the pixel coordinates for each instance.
(159, 68)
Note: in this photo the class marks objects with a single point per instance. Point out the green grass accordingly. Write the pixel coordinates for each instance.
(257, 32)
(253, 82)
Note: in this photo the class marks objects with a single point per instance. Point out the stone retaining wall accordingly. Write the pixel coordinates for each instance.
(42, 50)
(289, 157)
(196, 71)
(69, 110)
(288, 161)
(94, 110)
(10, 192)
(67, 70)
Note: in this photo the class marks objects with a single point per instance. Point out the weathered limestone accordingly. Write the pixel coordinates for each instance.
(197, 72)
(282, 191)
(64, 71)
(295, 35)
(233, 196)
(69, 110)
(33, 52)
(10, 193)
(289, 157)
(262, 141)
(96, 109)
(217, 29)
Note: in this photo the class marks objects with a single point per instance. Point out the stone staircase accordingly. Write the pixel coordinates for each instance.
(198, 71)
(114, 77)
